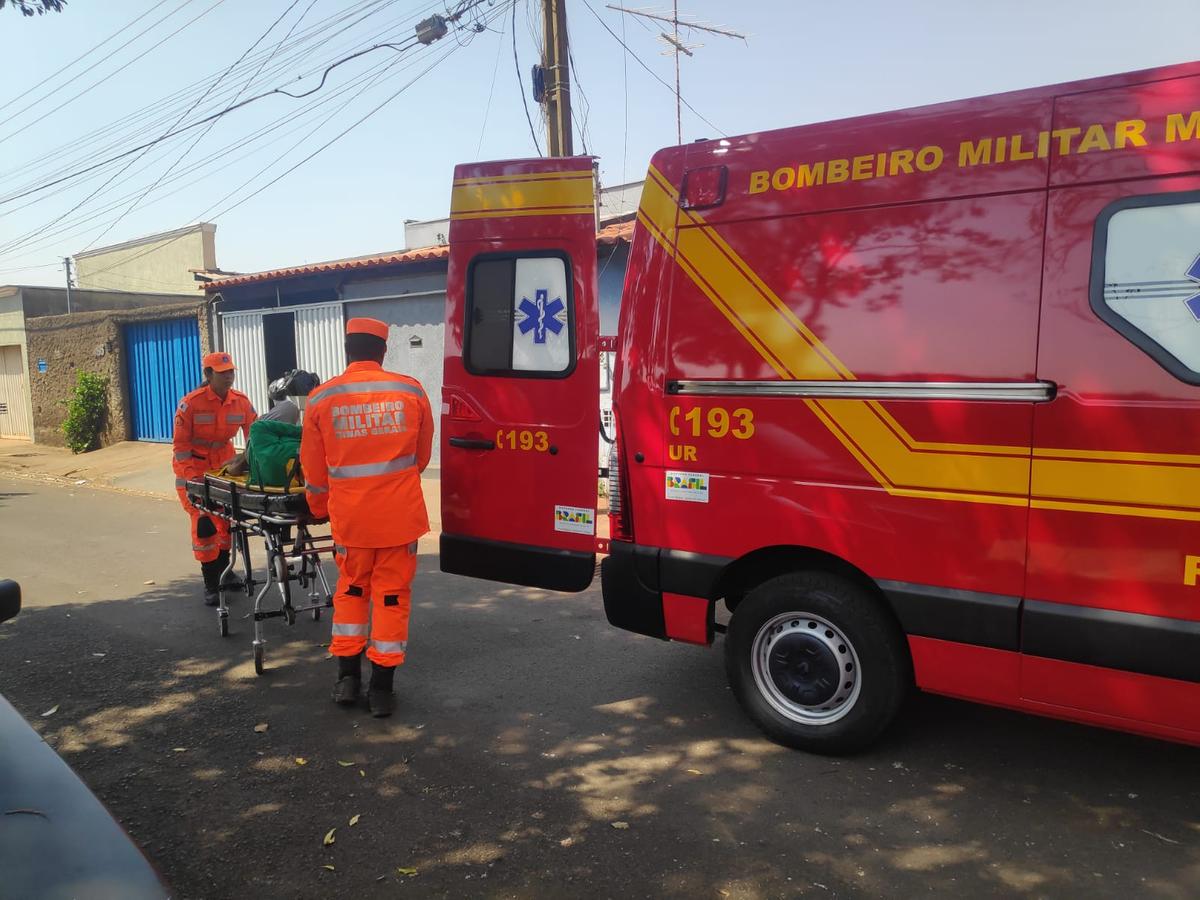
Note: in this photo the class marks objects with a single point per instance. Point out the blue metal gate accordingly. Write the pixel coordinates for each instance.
(163, 364)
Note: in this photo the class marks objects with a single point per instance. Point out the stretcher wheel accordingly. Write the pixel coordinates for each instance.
(224, 621)
(316, 614)
(258, 660)
(289, 613)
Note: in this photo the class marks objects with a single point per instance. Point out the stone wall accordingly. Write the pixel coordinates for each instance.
(90, 342)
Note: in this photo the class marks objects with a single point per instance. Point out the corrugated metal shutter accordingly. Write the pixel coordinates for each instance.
(15, 421)
(243, 340)
(320, 339)
(163, 363)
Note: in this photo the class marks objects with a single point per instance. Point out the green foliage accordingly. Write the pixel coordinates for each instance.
(30, 7)
(85, 412)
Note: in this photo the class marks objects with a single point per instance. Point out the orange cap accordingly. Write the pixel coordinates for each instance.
(367, 326)
(218, 362)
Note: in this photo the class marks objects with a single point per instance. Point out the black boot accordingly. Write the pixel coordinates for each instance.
(232, 581)
(380, 699)
(212, 582)
(349, 683)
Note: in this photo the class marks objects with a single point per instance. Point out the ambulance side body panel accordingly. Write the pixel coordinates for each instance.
(946, 246)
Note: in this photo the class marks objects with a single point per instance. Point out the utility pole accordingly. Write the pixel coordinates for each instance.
(676, 46)
(67, 264)
(557, 68)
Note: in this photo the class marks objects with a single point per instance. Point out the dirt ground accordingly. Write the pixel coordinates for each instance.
(536, 752)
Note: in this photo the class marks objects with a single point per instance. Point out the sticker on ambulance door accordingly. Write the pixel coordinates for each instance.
(690, 486)
(575, 519)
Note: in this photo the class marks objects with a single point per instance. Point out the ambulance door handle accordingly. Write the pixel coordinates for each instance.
(473, 443)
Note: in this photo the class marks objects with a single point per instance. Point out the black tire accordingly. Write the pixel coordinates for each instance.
(814, 625)
(224, 620)
(259, 666)
(316, 614)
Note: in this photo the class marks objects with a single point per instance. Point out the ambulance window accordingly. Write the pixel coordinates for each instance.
(520, 316)
(1146, 277)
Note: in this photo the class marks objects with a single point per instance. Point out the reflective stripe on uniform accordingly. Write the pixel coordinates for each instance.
(390, 646)
(343, 629)
(365, 387)
(204, 418)
(215, 445)
(184, 454)
(180, 482)
(316, 489)
(235, 417)
(202, 548)
(364, 470)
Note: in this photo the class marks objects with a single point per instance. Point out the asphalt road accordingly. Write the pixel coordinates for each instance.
(528, 730)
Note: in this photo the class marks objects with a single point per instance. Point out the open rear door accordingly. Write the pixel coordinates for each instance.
(520, 401)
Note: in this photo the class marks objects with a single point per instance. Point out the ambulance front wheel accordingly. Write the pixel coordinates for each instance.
(817, 662)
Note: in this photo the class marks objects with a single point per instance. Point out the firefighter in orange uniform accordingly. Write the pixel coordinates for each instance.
(368, 435)
(205, 423)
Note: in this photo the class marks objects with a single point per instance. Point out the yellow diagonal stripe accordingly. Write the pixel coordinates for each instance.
(1119, 483)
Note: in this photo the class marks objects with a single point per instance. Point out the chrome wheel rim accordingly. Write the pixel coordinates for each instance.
(795, 658)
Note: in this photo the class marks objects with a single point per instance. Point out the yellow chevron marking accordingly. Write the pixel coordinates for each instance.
(1131, 484)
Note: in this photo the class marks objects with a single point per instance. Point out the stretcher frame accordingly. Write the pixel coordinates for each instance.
(294, 554)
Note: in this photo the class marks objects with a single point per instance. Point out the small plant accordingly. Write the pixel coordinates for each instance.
(85, 412)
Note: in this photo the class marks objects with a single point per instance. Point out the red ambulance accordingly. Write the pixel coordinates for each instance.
(915, 395)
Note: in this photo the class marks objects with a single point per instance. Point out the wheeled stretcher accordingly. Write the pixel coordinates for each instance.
(294, 554)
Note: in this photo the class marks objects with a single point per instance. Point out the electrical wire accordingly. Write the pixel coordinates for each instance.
(116, 71)
(653, 74)
(86, 145)
(53, 75)
(202, 134)
(487, 111)
(520, 84)
(311, 155)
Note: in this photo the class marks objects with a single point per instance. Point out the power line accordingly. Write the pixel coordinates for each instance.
(196, 124)
(492, 90)
(90, 140)
(49, 78)
(313, 154)
(520, 83)
(219, 154)
(202, 134)
(116, 71)
(653, 74)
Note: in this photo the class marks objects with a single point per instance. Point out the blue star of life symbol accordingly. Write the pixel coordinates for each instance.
(540, 314)
(1193, 302)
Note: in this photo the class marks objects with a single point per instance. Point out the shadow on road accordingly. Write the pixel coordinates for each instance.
(538, 752)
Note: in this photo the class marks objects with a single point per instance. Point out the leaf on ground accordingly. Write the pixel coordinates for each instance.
(51, 711)
(354, 820)
(695, 772)
(329, 838)
(179, 749)
(151, 581)
(329, 867)
(261, 728)
(98, 655)
(406, 870)
(620, 826)
(362, 773)
(344, 764)
(301, 761)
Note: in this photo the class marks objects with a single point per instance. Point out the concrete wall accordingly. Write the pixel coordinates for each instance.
(90, 342)
(161, 262)
(52, 301)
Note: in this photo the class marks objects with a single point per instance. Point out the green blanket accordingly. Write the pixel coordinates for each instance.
(274, 454)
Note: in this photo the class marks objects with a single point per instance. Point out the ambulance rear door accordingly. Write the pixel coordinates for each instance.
(520, 399)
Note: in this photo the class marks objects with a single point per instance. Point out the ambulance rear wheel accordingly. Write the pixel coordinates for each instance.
(816, 662)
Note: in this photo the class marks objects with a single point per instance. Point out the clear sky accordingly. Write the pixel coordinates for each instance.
(802, 61)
